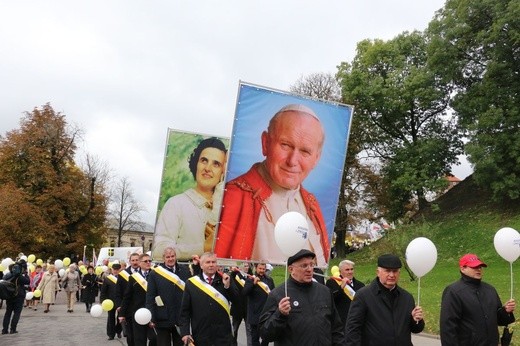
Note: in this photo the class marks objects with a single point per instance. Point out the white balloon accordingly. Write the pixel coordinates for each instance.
(421, 256)
(143, 316)
(6, 262)
(291, 232)
(29, 296)
(23, 258)
(58, 264)
(96, 310)
(61, 272)
(507, 243)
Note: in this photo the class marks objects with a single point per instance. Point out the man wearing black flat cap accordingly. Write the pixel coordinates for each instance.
(383, 313)
(306, 314)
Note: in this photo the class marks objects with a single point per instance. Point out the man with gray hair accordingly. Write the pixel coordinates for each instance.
(344, 287)
(254, 201)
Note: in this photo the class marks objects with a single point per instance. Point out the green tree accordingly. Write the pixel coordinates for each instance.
(475, 47)
(402, 107)
(357, 199)
(50, 206)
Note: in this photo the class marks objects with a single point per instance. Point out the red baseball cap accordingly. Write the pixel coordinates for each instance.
(471, 260)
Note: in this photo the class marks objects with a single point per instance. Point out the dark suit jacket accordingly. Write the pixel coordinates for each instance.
(341, 299)
(209, 322)
(109, 290)
(256, 298)
(134, 298)
(171, 295)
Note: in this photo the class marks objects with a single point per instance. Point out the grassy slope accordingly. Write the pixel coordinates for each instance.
(465, 221)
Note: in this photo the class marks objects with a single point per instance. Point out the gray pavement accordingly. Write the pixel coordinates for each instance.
(79, 328)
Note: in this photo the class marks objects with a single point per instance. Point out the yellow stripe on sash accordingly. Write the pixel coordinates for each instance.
(264, 286)
(140, 280)
(241, 281)
(124, 275)
(349, 291)
(170, 277)
(212, 292)
(112, 278)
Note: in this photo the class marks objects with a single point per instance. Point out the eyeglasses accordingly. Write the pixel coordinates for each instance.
(306, 266)
(147, 261)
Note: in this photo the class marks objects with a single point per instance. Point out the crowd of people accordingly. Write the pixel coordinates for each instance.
(204, 304)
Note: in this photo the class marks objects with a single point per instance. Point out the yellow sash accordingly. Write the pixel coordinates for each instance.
(241, 281)
(168, 275)
(124, 275)
(264, 286)
(140, 280)
(349, 291)
(112, 278)
(212, 292)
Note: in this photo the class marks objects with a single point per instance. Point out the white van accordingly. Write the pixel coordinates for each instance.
(117, 253)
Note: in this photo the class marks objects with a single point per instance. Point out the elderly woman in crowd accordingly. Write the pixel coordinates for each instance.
(49, 285)
(71, 284)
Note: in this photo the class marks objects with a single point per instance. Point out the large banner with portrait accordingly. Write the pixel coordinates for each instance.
(190, 193)
(287, 154)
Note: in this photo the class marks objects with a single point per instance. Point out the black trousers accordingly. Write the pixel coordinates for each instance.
(13, 308)
(113, 325)
(141, 335)
(236, 325)
(168, 337)
(253, 335)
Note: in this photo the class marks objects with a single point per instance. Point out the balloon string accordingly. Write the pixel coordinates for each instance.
(419, 292)
(511, 271)
(286, 278)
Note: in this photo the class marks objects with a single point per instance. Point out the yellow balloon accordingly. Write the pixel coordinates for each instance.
(334, 269)
(2, 268)
(31, 268)
(39, 261)
(31, 258)
(84, 271)
(110, 264)
(99, 270)
(66, 261)
(81, 267)
(37, 293)
(107, 305)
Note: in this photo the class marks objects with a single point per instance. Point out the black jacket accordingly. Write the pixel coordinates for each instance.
(341, 299)
(133, 299)
(109, 291)
(210, 323)
(171, 295)
(256, 298)
(89, 293)
(313, 319)
(378, 316)
(471, 312)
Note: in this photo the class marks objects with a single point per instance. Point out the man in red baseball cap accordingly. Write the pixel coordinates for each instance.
(471, 310)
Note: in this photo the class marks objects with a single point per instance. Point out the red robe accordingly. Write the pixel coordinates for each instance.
(244, 200)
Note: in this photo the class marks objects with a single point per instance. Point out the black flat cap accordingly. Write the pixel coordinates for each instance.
(300, 254)
(116, 266)
(389, 261)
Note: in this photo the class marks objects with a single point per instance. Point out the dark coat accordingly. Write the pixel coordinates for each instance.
(239, 306)
(171, 295)
(120, 289)
(471, 312)
(209, 322)
(109, 290)
(134, 298)
(313, 319)
(89, 291)
(256, 298)
(374, 320)
(341, 299)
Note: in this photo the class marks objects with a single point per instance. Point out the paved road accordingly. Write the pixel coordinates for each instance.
(79, 328)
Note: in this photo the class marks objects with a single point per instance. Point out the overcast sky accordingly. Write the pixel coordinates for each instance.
(126, 71)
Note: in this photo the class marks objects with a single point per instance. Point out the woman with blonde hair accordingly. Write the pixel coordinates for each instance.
(48, 285)
(71, 284)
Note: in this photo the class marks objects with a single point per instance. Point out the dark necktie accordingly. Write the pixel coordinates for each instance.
(210, 280)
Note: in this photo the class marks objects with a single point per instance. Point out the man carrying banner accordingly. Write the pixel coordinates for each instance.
(126, 322)
(239, 306)
(109, 291)
(254, 201)
(205, 311)
(164, 297)
(344, 288)
(256, 289)
(134, 299)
